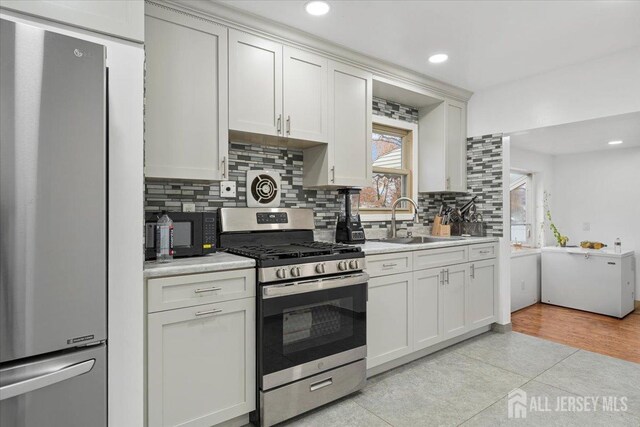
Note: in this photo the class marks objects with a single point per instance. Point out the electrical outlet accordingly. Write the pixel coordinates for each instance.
(188, 207)
(228, 189)
(586, 226)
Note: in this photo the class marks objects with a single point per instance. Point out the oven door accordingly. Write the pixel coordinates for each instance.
(310, 326)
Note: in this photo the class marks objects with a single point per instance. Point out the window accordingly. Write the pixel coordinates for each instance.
(521, 208)
(392, 150)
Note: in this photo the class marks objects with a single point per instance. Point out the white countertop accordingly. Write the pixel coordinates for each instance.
(221, 261)
(515, 253)
(608, 252)
(373, 248)
(218, 261)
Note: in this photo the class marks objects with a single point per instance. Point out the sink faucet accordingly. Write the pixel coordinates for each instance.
(393, 213)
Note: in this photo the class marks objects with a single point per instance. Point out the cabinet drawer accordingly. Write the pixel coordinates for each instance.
(440, 257)
(183, 291)
(384, 264)
(486, 251)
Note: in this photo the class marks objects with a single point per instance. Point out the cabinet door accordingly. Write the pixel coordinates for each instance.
(201, 364)
(255, 84)
(186, 134)
(427, 289)
(483, 293)
(305, 95)
(454, 301)
(389, 318)
(350, 99)
(456, 146)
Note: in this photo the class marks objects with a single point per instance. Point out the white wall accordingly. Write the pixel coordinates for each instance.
(125, 287)
(603, 189)
(541, 165)
(598, 88)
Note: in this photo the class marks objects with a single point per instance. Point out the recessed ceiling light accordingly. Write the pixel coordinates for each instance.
(317, 8)
(438, 58)
(615, 142)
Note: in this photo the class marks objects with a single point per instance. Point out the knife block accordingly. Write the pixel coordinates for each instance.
(440, 230)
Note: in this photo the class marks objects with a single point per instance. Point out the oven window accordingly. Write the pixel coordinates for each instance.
(182, 234)
(316, 324)
(301, 328)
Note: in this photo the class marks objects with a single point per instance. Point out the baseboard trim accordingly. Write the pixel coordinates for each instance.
(424, 352)
(497, 327)
(240, 421)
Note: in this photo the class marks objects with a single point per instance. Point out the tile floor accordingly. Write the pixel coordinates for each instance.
(468, 384)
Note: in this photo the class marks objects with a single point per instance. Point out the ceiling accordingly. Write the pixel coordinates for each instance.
(488, 42)
(581, 137)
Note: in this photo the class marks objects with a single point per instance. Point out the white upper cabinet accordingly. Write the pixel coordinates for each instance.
(305, 95)
(276, 90)
(186, 113)
(124, 19)
(350, 128)
(456, 146)
(255, 84)
(443, 147)
(346, 160)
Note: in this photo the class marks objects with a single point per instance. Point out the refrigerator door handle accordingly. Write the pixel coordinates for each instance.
(25, 386)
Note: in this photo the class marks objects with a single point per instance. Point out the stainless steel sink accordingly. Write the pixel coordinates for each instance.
(418, 240)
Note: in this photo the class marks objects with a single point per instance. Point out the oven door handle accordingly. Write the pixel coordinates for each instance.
(281, 290)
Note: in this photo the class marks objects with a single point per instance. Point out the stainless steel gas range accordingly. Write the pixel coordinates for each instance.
(311, 305)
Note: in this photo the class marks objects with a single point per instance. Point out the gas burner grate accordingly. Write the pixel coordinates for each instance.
(339, 248)
(294, 250)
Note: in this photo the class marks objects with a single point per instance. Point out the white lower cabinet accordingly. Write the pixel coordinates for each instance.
(483, 293)
(454, 301)
(201, 364)
(409, 312)
(389, 314)
(427, 295)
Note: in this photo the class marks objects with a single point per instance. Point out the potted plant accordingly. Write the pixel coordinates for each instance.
(562, 240)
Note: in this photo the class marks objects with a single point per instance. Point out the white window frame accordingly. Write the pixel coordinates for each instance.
(366, 216)
(531, 209)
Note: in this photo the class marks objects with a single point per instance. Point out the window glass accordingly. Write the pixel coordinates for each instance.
(521, 209)
(391, 159)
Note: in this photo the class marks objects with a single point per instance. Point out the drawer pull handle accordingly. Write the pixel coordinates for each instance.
(204, 313)
(203, 290)
(321, 384)
(389, 265)
(485, 252)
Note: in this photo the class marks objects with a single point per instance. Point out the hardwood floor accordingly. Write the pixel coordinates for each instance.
(588, 331)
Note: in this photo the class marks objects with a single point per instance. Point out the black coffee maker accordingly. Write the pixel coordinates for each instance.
(349, 228)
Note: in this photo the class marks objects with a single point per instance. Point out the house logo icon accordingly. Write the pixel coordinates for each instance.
(517, 403)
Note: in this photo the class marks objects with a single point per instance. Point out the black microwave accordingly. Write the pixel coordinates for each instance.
(194, 233)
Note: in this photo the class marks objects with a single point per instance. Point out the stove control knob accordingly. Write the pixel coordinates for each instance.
(281, 273)
(354, 265)
(342, 265)
(295, 272)
(320, 269)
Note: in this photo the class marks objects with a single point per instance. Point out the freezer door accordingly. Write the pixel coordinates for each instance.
(66, 390)
(52, 192)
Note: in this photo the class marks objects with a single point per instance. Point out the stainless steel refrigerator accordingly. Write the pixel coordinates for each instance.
(53, 229)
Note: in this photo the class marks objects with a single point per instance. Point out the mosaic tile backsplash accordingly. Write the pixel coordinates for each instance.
(484, 161)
